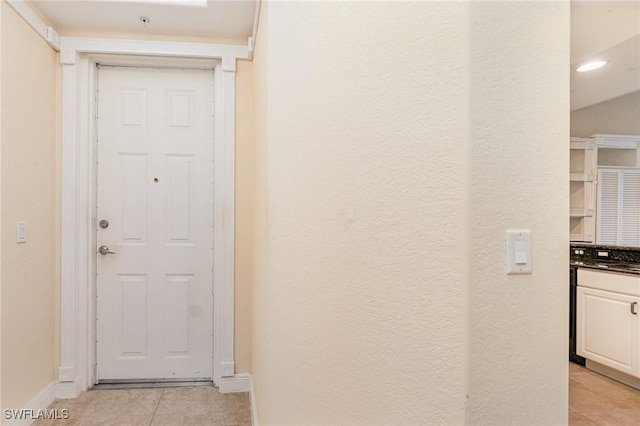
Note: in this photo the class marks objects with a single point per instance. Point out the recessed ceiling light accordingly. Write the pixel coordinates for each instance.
(590, 66)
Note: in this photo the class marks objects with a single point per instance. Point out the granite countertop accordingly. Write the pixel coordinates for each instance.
(604, 247)
(618, 259)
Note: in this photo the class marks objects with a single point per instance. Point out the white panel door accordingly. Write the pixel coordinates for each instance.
(155, 188)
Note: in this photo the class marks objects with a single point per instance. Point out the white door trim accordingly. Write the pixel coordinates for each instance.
(78, 57)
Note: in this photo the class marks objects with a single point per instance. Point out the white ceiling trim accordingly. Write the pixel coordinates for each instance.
(227, 52)
(26, 13)
(256, 20)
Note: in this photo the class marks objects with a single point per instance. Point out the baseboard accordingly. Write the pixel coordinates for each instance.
(241, 382)
(632, 381)
(69, 390)
(29, 413)
(252, 400)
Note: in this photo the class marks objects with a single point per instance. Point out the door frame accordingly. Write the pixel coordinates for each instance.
(78, 57)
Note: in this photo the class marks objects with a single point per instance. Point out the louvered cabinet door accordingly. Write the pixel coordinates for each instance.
(630, 208)
(608, 207)
(618, 207)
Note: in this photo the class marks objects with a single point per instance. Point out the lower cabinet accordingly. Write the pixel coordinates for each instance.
(608, 328)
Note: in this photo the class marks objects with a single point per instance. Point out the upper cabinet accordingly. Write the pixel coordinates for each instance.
(605, 190)
(618, 151)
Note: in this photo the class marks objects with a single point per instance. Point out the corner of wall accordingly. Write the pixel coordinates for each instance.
(1, 233)
(259, 326)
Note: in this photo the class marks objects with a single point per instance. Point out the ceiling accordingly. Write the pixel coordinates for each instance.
(607, 30)
(223, 20)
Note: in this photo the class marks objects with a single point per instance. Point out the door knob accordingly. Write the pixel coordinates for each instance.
(105, 250)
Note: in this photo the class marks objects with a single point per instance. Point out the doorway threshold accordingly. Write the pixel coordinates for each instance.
(151, 383)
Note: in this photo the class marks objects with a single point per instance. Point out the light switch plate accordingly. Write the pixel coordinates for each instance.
(518, 256)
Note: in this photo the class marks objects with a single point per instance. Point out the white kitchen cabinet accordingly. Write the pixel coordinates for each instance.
(608, 323)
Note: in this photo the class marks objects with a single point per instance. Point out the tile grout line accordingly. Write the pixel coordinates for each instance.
(84, 408)
(153, 416)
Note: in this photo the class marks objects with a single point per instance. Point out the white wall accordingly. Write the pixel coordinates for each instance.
(394, 145)
(519, 158)
(360, 322)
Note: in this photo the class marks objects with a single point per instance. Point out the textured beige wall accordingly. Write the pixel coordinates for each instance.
(395, 144)
(620, 116)
(29, 73)
(244, 215)
(260, 331)
(519, 144)
(1, 230)
(359, 321)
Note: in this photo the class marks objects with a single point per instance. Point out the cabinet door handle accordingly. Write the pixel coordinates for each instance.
(634, 305)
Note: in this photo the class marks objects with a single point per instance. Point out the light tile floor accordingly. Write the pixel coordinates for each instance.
(593, 400)
(598, 400)
(196, 405)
